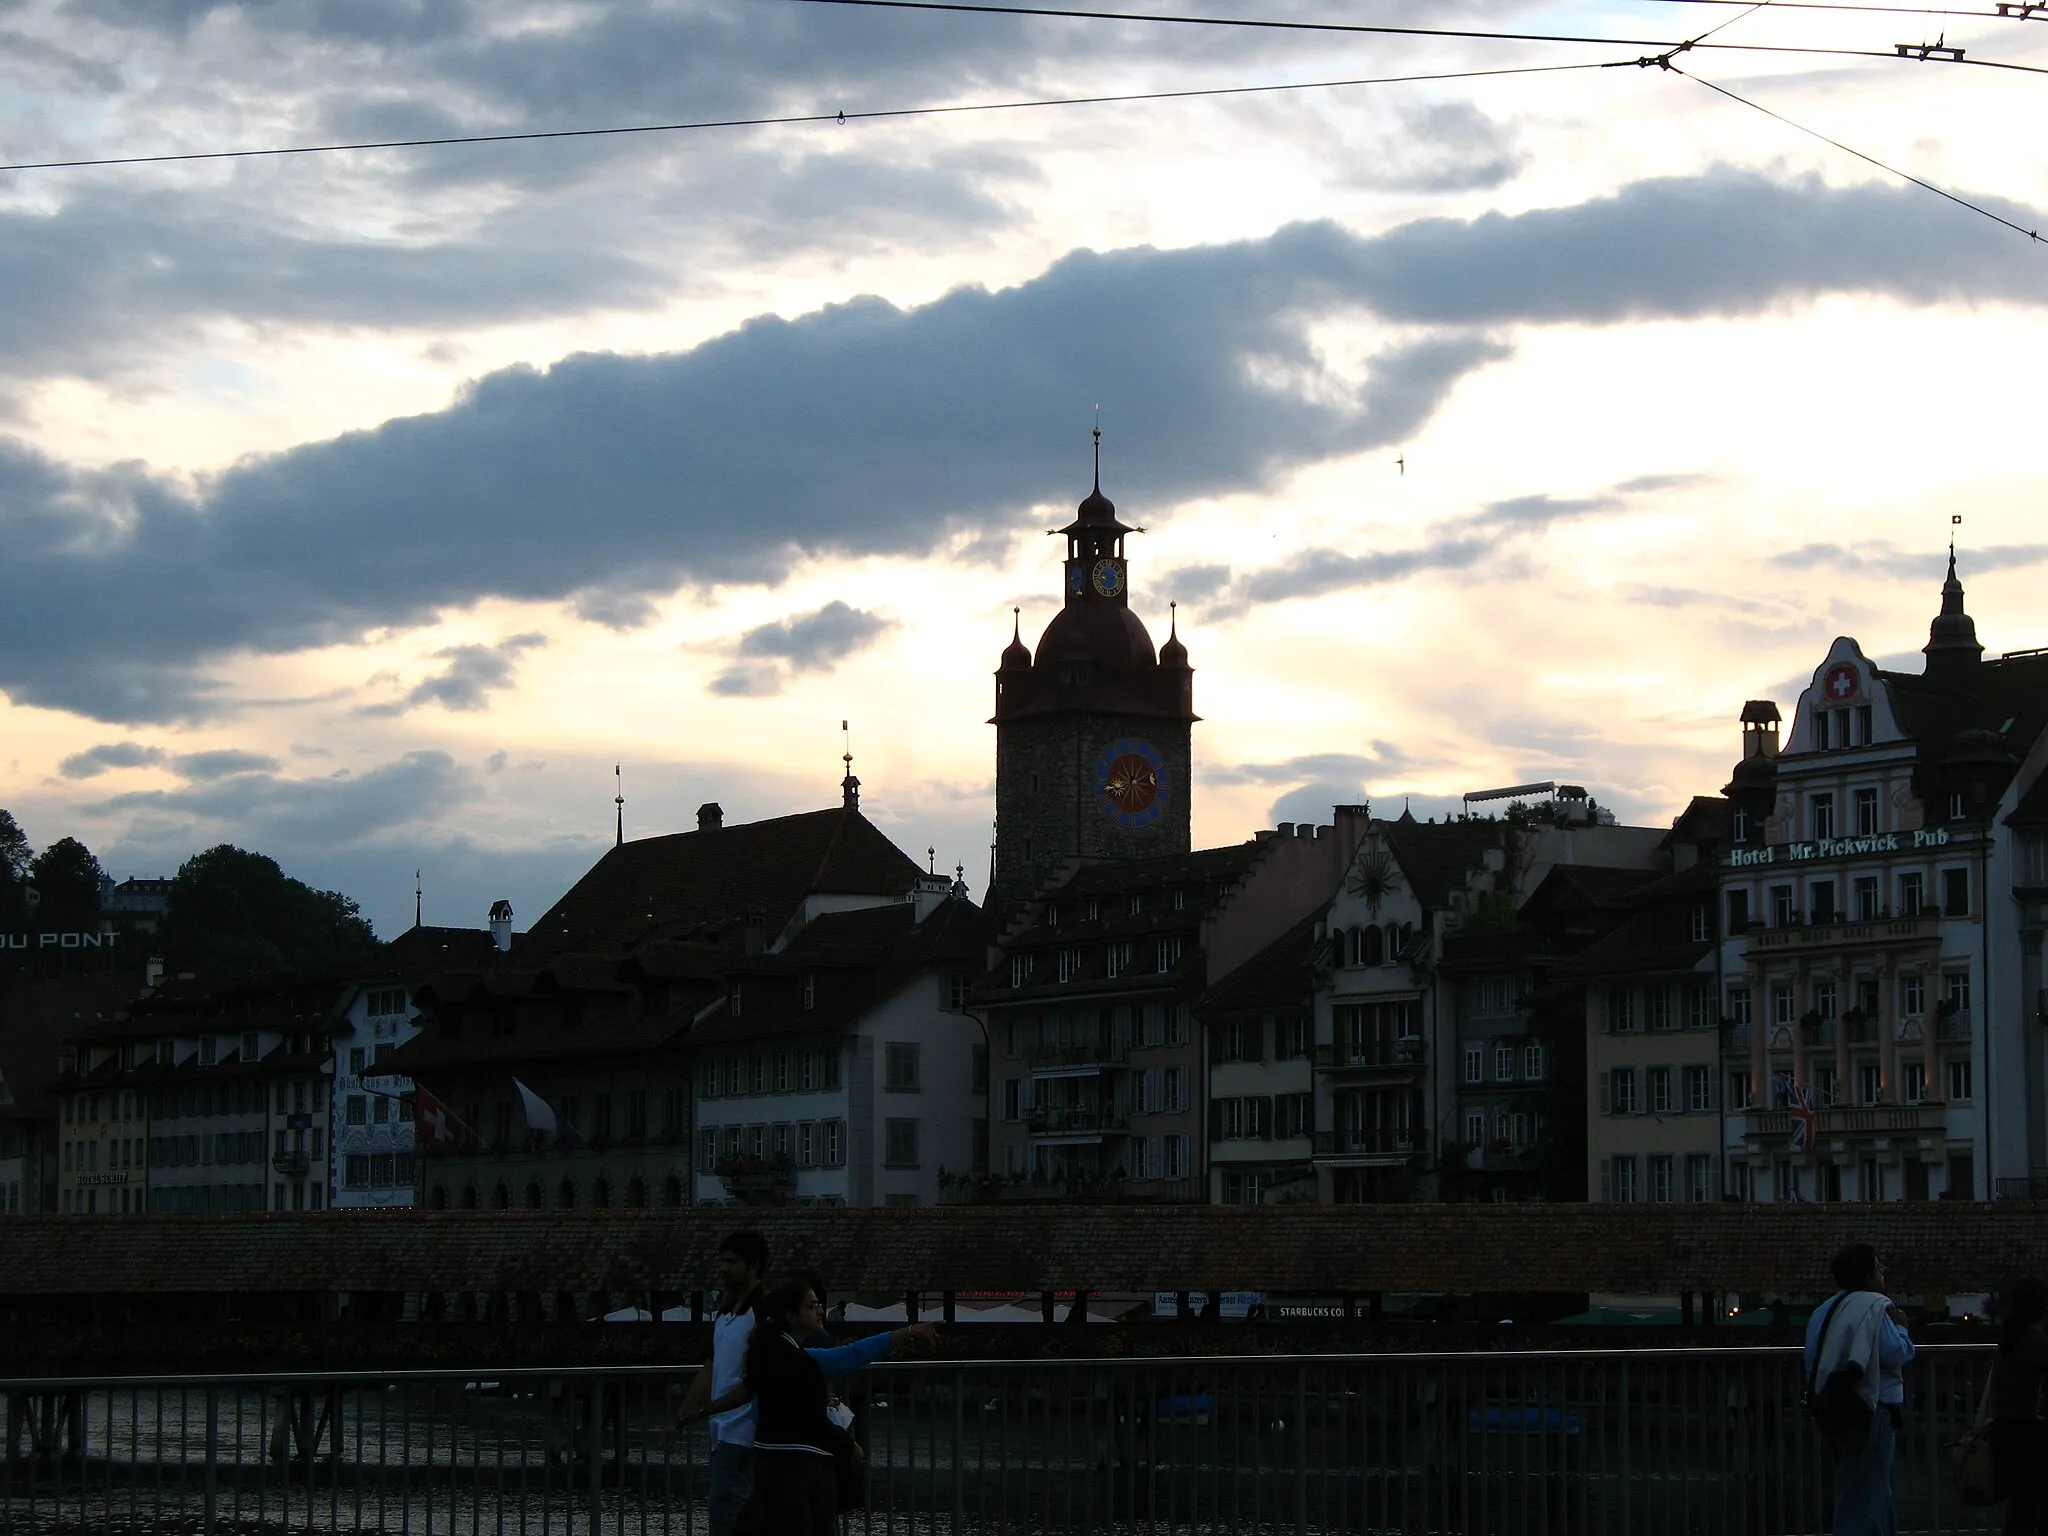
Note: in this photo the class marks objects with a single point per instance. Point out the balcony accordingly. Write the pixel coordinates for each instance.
(1861, 1028)
(1077, 1059)
(1735, 1040)
(1818, 1033)
(291, 1165)
(1396, 1058)
(1952, 1026)
(1872, 1120)
(1076, 1123)
(1385, 1148)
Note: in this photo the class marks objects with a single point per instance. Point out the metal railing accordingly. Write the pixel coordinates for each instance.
(1698, 1442)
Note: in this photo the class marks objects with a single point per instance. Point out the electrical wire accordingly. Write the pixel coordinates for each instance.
(1892, 170)
(1368, 29)
(805, 118)
(1841, 5)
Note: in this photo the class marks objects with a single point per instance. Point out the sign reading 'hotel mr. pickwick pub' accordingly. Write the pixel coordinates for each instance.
(1842, 848)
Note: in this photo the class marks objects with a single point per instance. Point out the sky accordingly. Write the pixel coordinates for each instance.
(366, 509)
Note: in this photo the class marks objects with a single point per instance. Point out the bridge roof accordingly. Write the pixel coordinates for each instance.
(1455, 1249)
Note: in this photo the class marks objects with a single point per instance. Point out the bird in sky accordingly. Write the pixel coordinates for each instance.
(1401, 464)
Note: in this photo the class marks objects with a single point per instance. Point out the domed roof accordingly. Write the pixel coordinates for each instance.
(1016, 655)
(1755, 773)
(1107, 634)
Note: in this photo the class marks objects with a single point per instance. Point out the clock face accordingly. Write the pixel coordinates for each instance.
(1108, 577)
(1131, 783)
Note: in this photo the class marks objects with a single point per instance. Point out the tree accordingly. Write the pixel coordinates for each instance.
(231, 912)
(14, 849)
(67, 878)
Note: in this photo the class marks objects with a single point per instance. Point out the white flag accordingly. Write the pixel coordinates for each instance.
(539, 1117)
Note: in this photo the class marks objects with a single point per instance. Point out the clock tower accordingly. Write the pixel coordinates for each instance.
(1093, 733)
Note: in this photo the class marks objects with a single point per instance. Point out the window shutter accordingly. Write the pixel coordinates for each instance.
(1215, 1119)
(1216, 1037)
(1606, 1108)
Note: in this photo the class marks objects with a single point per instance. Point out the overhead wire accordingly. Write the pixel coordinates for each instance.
(1375, 29)
(806, 118)
(1892, 170)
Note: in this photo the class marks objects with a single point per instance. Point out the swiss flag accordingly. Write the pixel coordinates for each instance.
(436, 1124)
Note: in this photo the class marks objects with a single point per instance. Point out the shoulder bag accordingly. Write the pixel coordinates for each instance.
(1835, 1406)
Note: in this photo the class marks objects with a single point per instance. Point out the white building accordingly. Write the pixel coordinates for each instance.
(843, 1067)
(1877, 962)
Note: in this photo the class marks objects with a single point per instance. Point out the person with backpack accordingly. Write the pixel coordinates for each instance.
(1856, 1351)
(2018, 1431)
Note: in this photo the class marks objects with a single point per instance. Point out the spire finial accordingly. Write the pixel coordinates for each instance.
(619, 803)
(931, 857)
(1172, 620)
(1955, 520)
(1016, 625)
(1098, 450)
(418, 898)
(849, 787)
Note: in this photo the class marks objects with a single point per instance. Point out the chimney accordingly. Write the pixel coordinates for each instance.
(1760, 720)
(710, 816)
(501, 925)
(152, 973)
(757, 930)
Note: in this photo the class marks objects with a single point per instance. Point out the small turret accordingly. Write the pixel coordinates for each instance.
(1952, 652)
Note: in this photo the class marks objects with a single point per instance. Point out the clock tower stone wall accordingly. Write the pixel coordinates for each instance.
(1094, 732)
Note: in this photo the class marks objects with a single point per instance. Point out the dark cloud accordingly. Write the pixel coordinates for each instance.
(1350, 768)
(473, 673)
(868, 429)
(94, 761)
(818, 641)
(1880, 557)
(1442, 146)
(754, 680)
(266, 809)
(222, 763)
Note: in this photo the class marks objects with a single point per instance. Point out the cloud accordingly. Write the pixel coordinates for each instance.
(265, 808)
(1880, 557)
(755, 681)
(1443, 146)
(1353, 768)
(816, 642)
(786, 438)
(473, 673)
(222, 763)
(94, 761)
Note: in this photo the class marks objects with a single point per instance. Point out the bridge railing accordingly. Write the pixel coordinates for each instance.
(1607, 1442)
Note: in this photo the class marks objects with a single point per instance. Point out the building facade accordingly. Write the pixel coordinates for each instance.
(1879, 1052)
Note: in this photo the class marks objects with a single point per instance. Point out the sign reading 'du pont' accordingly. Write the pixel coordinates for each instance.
(58, 940)
(1840, 848)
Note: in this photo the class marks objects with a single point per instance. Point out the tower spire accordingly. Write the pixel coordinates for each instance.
(1098, 450)
(849, 787)
(418, 898)
(1952, 651)
(619, 804)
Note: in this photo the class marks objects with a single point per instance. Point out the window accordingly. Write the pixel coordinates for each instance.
(1823, 815)
(1823, 894)
(1625, 1101)
(1073, 963)
(1781, 906)
(383, 1002)
(1175, 1087)
(1659, 1009)
(1869, 1083)
(1955, 987)
(380, 1170)
(1824, 997)
(356, 1110)
(1826, 1090)
(1294, 1114)
(1243, 1040)
(1914, 1074)
(1242, 1119)
(782, 1140)
(1959, 1080)
(1738, 1006)
(1699, 1177)
(1620, 1180)
(1866, 813)
(959, 991)
(810, 991)
(1475, 1063)
(1137, 903)
(1020, 970)
(1173, 1157)
(1955, 805)
(1699, 1090)
(1290, 1039)
(1475, 1127)
(1912, 893)
(1119, 959)
(1660, 1091)
(901, 1067)
(1740, 1091)
(1622, 1017)
(1180, 900)
(828, 1069)
(736, 998)
(1532, 1061)
(1661, 1179)
(1169, 952)
(1955, 892)
(1867, 902)
(1504, 1063)
(357, 1057)
(1176, 1023)
(807, 1144)
(1913, 996)
(1014, 1097)
(835, 1142)
(707, 1153)
(1699, 925)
